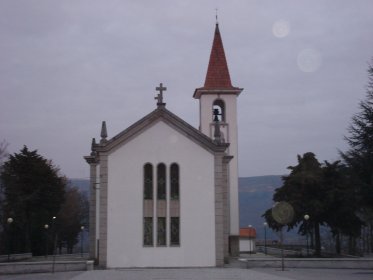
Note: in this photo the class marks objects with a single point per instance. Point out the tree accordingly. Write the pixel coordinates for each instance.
(342, 203)
(33, 194)
(3, 151)
(326, 193)
(70, 218)
(303, 189)
(3, 156)
(359, 157)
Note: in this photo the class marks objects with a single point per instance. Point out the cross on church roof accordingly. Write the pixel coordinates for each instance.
(159, 96)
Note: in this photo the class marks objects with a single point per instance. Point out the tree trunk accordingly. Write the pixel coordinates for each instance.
(352, 245)
(28, 233)
(317, 240)
(312, 237)
(370, 237)
(338, 243)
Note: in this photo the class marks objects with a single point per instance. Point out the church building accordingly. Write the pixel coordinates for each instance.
(165, 194)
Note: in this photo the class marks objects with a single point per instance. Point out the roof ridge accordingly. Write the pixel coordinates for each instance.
(161, 112)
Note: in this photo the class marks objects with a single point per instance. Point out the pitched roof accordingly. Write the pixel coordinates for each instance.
(161, 113)
(217, 76)
(248, 232)
(217, 72)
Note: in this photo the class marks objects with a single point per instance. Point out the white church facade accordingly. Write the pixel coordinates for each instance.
(165, 194)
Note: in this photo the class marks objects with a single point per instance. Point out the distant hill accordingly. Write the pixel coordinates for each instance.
(81, 184)
(255, 196)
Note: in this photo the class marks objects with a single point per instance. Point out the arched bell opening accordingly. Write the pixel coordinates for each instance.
(218, 110)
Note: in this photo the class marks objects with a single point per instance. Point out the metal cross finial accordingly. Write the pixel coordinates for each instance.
(216, 15)
(159, 96)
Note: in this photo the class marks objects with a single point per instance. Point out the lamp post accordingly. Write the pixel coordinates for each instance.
(250, 240)
(46, 226)
(54, 242)
(265, 237)
(9, 222)
(306, 218)
(81, 240)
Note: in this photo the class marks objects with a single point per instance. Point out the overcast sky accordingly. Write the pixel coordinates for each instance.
(65, 66)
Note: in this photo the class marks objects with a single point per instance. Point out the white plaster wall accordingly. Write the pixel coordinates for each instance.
(230, 100)
(247, 245)
(161, 143)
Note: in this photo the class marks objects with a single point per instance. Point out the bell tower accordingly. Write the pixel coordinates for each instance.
(218, 103)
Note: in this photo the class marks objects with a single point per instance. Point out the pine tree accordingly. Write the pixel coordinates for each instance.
(359, 157)
(33, 194)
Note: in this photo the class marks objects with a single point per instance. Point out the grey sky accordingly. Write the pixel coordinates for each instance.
(67, 65)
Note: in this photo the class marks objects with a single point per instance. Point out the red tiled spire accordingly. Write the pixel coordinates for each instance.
(217, 76)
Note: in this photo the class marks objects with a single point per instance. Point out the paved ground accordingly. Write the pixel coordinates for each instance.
(202, 274)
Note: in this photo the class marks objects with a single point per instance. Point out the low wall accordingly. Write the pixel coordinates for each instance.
(337, 263)
(46, 266)
(15, 257)
(288, 253)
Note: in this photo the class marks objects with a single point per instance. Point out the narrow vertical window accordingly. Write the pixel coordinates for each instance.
(174, 178)
(161, 181)
(161, 231)
(174, 226)
(148, 231)
(148, 181)
(148, 205)
(175, 231)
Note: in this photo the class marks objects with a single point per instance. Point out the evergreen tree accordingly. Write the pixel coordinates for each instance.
(303, 188)
(342, 203)
(359, 157)
(33, 194)
(70, 219)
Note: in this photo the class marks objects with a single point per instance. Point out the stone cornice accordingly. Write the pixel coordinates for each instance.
(199, 91)
(91, 159)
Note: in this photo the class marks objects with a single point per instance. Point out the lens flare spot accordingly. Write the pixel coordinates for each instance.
(281, 28)
(309, 60)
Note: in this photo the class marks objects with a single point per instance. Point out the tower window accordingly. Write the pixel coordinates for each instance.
(219, 107)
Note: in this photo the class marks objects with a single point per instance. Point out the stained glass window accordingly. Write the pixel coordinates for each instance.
(161, 181)
(161, 231)
(148, 231)
(175, 231)
(148, 181)
(174, 178)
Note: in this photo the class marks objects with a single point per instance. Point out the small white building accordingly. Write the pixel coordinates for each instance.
(164, 194)
(247, 240)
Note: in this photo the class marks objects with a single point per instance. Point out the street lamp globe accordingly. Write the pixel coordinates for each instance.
(265, 224)
(82, 227)
(306, 217)
(46, 226)
(9, 220)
